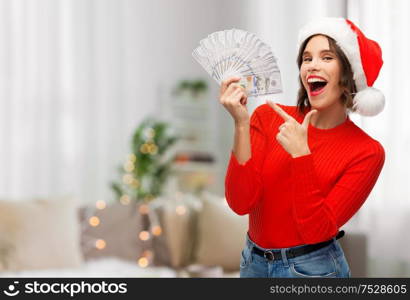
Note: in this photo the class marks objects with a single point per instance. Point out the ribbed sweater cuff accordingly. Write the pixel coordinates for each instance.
(247, 167)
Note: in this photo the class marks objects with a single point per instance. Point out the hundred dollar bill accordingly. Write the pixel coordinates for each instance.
(258, 85)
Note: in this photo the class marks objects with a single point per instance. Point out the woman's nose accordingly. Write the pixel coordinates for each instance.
(313, 65)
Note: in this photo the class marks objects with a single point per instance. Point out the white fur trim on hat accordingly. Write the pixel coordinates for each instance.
(369, 102)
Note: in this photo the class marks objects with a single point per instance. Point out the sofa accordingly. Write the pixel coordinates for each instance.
(180, 235)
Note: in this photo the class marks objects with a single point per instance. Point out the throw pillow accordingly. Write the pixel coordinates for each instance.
(39, 234)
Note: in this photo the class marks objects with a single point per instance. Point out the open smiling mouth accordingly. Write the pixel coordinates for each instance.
(316, 87)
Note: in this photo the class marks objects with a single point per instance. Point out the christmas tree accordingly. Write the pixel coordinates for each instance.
(147, 167)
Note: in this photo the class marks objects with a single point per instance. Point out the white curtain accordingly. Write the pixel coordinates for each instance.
(77, 77)
(64, 105)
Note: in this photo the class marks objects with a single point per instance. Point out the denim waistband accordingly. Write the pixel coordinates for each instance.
(250, 243)
(332, 246)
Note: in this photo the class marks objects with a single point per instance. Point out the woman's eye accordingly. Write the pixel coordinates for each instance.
(307, 59)
(328, 58)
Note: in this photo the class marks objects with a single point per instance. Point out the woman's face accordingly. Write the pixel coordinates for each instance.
(320, 74)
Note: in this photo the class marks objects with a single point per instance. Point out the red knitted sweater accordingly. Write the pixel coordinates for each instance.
(303, 200)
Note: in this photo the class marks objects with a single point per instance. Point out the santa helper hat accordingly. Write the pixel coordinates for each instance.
(364, 55)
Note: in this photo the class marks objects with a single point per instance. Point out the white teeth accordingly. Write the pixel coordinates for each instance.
(310, 80)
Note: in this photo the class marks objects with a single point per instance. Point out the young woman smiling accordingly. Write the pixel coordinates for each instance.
(301, 172)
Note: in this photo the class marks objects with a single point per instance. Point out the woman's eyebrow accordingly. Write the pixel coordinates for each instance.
(322, 51)
(327, 51)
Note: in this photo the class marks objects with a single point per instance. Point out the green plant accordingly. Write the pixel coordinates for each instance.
(194, 87)
(146, 169)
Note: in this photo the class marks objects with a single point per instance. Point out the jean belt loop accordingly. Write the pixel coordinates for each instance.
(284, 258)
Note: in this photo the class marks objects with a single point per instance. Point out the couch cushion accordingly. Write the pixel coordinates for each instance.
(118, 227)
(39, 234)
(354, 246)
(178, 217)
(221, 234)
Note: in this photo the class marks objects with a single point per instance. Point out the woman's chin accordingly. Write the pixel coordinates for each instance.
(315, 105)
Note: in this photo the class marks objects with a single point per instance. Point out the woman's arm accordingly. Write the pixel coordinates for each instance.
(242, 181)
(318, 216)
(242, 142)
(243, 177)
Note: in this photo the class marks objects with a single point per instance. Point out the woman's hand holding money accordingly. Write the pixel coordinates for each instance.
(234, 98)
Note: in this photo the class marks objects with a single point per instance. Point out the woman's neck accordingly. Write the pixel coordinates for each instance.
(329, 118)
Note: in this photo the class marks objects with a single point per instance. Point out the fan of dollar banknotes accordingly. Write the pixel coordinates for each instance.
(236, 52)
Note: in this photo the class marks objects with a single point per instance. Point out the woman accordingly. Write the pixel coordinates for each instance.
(301, 172)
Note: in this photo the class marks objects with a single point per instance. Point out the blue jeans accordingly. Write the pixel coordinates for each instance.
(328, 261)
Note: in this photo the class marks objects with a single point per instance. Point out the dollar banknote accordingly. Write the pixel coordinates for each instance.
(236, 52)
(259, 85)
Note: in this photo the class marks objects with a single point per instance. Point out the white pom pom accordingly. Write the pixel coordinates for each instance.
(368, 102)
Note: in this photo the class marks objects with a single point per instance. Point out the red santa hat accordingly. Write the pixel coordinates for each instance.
(364, 55)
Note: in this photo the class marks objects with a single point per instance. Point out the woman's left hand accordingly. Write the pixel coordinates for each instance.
(293, 135)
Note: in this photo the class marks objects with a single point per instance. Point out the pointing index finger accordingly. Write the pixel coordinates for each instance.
(280, 111)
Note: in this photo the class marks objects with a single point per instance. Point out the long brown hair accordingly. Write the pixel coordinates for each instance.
(346, 78)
